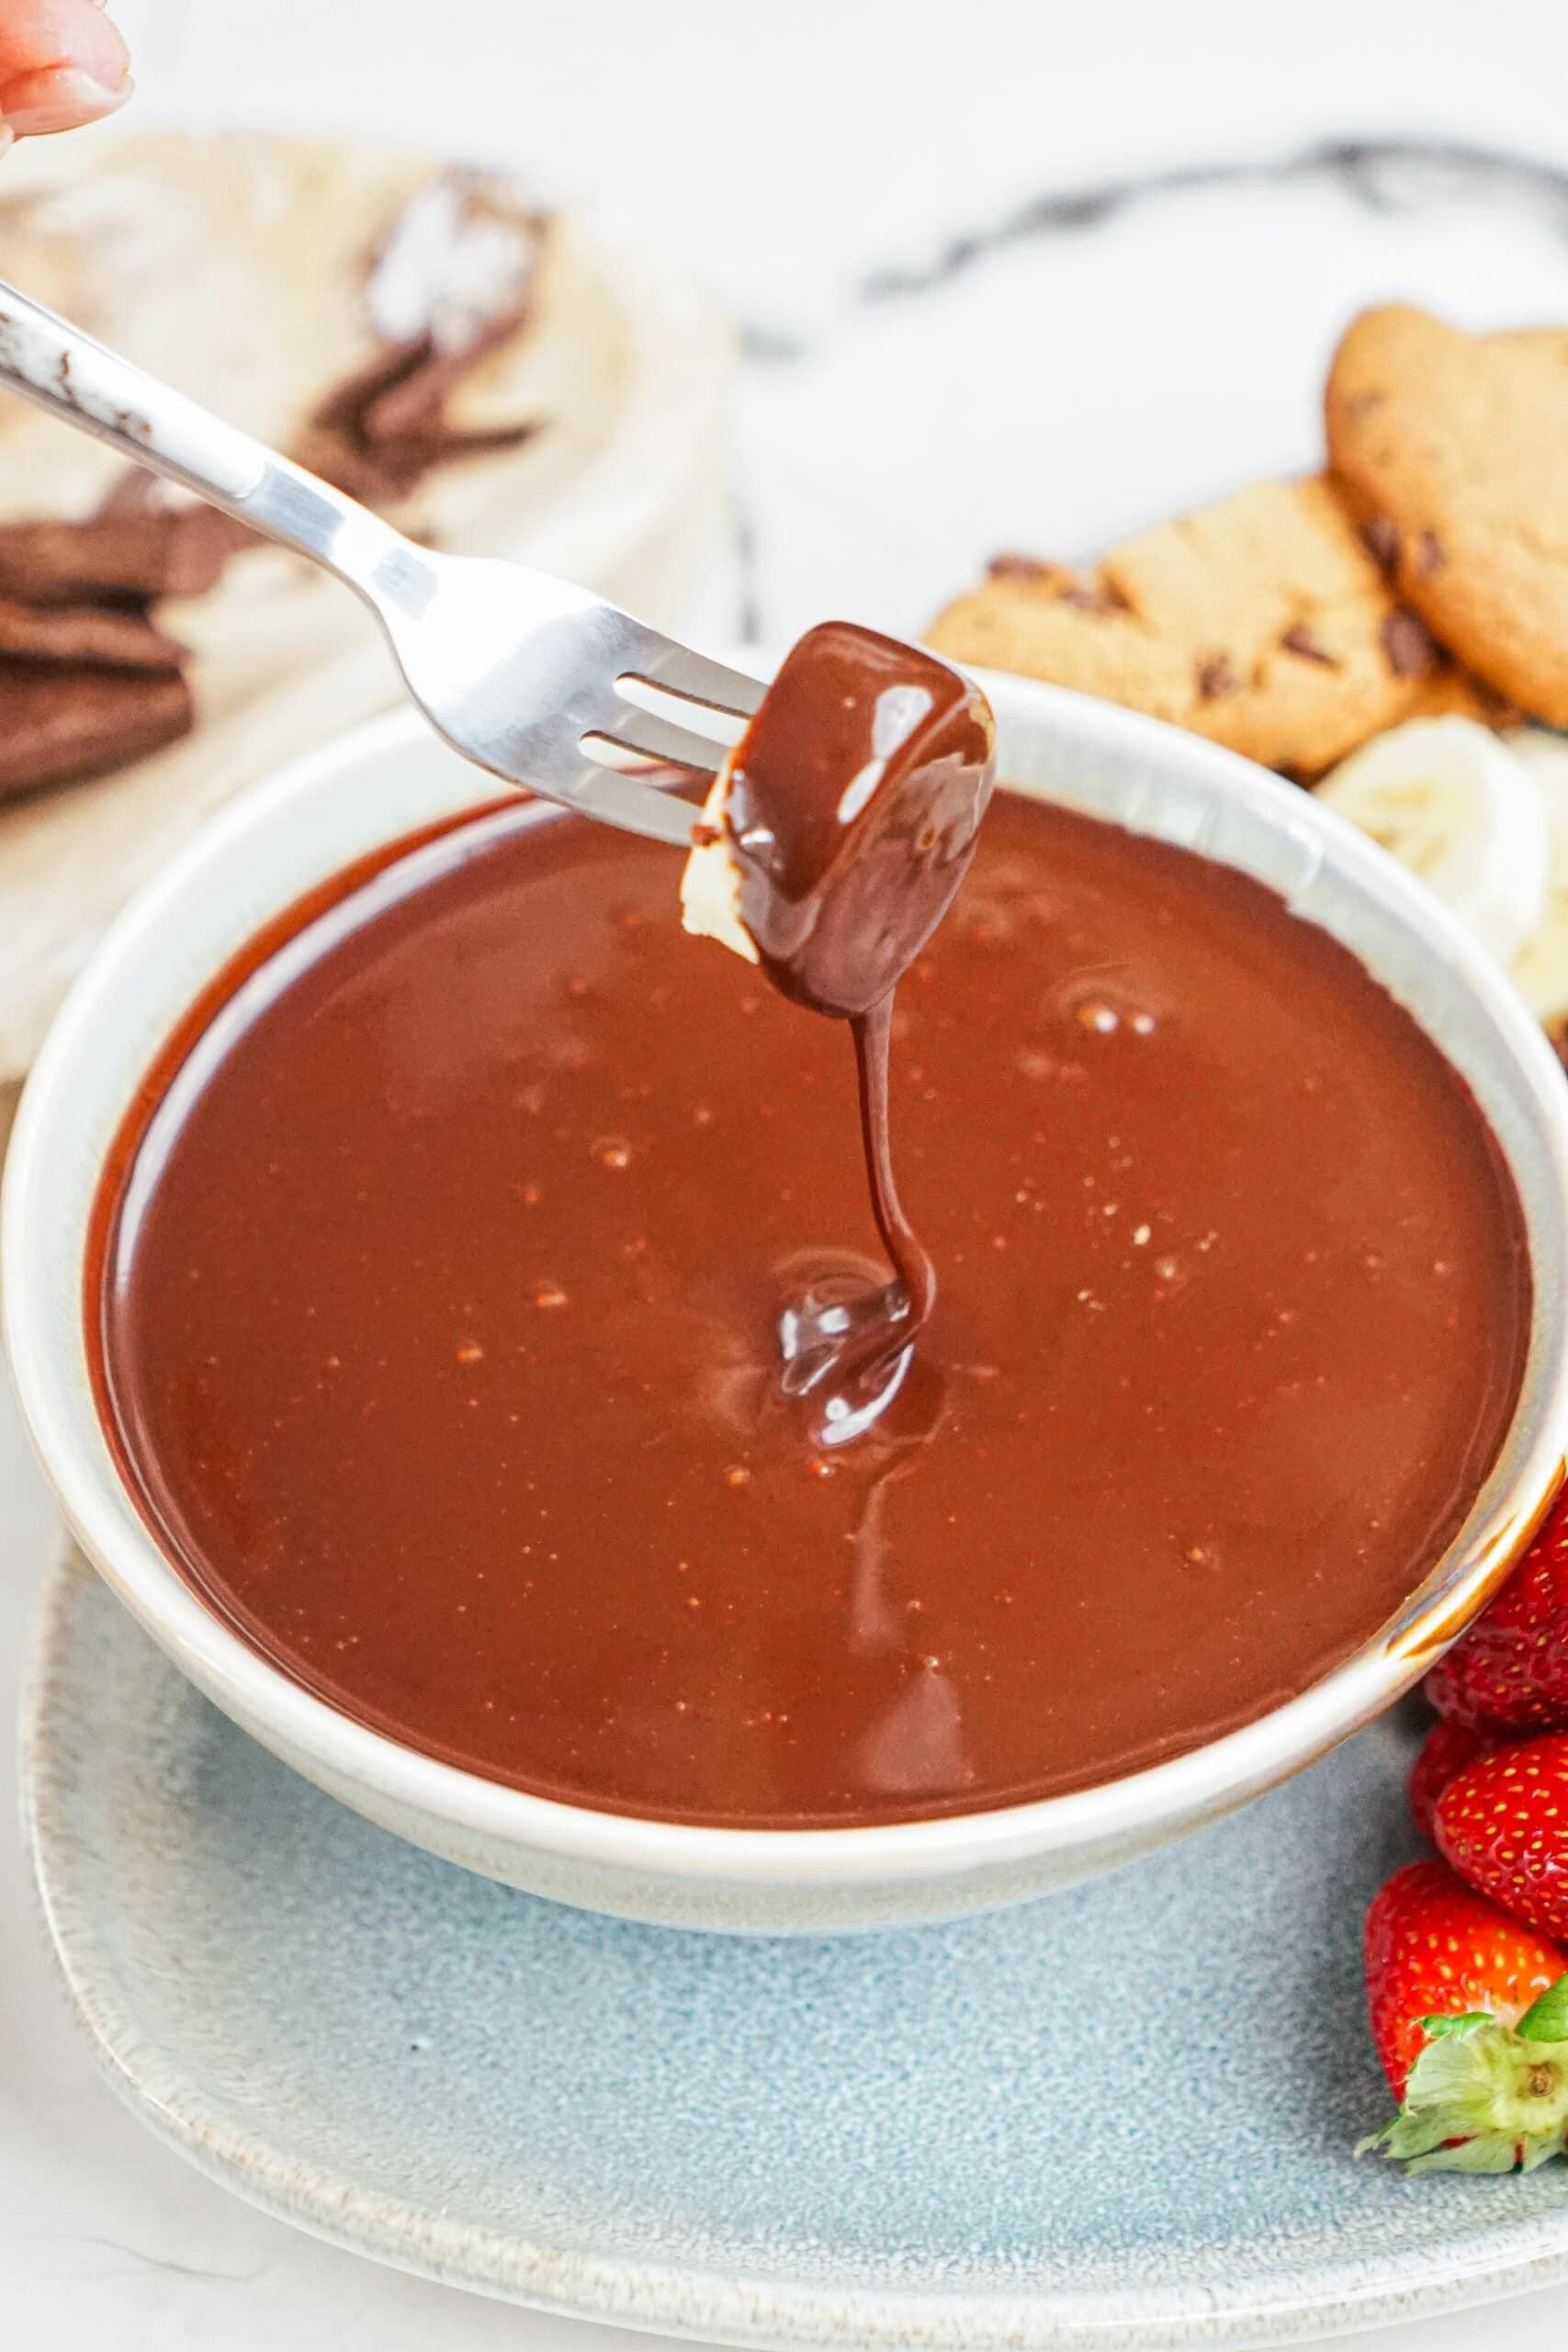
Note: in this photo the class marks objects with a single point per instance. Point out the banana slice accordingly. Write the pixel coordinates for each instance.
(710, 880)
(1455, 805)
(1542, 970)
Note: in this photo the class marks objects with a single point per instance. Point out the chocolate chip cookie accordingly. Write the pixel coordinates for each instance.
(1452, 447)
(1263, 622)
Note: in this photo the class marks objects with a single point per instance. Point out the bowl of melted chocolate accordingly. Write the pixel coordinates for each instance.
(1059, 1326)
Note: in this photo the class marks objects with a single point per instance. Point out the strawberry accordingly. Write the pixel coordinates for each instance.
(1510, 1671)
(1434, 1948)
(1448, 1750)
(1470, 2015)
(1504, 1825)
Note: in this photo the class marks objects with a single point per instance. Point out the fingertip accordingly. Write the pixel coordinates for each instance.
(58, 98)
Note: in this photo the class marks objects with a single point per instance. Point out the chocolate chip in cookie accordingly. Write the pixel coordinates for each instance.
(1298, 638)
(1380, 537)
(1264, 622)
(1412, 650)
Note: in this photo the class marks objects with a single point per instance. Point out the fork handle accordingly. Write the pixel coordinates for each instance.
(54, 365)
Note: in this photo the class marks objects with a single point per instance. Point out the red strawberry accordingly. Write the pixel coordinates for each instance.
(1432, 1947)
(1504, 1825)
(1470, 2014)
(1510, 1671)
(1449, 1750)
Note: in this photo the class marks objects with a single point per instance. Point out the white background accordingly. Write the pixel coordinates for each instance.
(790, 150)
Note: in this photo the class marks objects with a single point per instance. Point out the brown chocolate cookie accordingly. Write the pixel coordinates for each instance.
(1262, 622)
(1452, 447)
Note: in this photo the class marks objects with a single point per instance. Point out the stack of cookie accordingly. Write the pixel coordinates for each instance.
(1425, 572)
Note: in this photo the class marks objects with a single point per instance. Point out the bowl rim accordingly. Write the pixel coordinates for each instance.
(41, 1286)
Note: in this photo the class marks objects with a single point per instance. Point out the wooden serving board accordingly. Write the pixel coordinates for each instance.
(230, 264)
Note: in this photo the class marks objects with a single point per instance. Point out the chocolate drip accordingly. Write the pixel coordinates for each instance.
(916, 1274)
(855, 801)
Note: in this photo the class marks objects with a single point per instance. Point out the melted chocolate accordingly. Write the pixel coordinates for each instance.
(855, 801)
(441, 1271)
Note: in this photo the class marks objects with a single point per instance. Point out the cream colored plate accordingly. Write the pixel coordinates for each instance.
(186, 253)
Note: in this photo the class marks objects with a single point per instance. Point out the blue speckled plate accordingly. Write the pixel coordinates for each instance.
(1121, 2117)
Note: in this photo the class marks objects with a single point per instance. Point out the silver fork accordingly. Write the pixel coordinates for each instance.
(522, 673)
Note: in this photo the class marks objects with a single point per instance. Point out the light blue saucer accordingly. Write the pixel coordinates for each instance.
(1121, 2117)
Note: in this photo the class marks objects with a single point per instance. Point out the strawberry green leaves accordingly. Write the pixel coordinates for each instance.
(1484, 2097)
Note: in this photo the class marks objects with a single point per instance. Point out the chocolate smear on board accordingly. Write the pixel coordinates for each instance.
(452, 280)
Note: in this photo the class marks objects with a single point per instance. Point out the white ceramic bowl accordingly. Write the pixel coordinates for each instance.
(392, 776)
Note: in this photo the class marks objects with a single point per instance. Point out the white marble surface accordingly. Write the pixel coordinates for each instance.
(797, 150)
